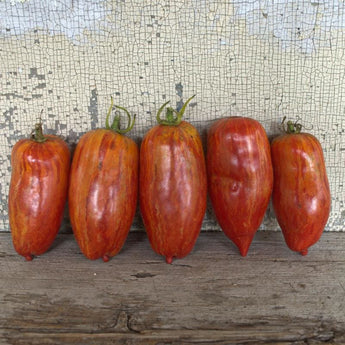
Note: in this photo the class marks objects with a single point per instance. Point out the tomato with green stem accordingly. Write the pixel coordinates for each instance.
(301, 195)
(38, 191)
(104, 188)
(172, 184)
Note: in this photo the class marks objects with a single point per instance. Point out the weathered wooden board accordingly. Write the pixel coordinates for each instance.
(213, 296)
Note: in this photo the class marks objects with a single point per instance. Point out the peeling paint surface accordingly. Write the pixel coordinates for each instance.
(296, 24)
(252, 58)
(67, 17)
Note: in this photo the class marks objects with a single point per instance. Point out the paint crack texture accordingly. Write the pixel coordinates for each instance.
(251, 58)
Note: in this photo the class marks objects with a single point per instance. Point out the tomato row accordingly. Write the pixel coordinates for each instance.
(170, 175)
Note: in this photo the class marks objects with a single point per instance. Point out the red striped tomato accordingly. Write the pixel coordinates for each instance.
(240, 177)
(301, 195)
(172, 185)
(38, 192)
(103, 189)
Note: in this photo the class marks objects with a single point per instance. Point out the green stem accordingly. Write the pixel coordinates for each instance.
(172, 116)
(116, 123)
(108, 113)
(115, 126)
(291, 127)
(37, 133)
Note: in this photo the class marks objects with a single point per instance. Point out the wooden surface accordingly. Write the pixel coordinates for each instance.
(213, 296)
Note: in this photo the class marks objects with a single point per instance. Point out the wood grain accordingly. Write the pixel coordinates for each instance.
(213, 296)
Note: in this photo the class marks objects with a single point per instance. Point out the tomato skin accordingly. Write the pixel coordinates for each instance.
(173, 188)
(103, 192)
(240, 177)
(38, 193)
(301, 195)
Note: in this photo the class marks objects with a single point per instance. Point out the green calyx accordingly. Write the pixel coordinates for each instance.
(115, 126)
(172, 116)
(37, 133)
(291, 127)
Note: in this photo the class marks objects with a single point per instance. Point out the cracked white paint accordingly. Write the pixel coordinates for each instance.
(69, 17)
(239, 58)
(296, 24)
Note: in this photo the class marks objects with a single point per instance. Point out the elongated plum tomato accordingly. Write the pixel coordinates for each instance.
(38, 191)
(301, 195)
(172, 184)
(103, 188)
(240, 177)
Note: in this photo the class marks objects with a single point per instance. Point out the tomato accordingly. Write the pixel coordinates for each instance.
(301, 195)
(240, 177)
(38, 191)
(172, 184)
(103, 189)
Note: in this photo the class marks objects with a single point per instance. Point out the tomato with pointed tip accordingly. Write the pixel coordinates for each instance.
(38, 192)
(103, 189)
(301, 195)
(240, 177)
(172, 183)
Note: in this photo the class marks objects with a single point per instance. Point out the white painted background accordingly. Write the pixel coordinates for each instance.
(263, 59)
